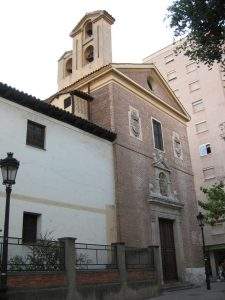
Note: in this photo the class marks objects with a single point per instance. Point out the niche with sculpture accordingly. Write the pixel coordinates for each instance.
(160, 186)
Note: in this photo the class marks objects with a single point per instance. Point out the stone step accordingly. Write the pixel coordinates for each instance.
(176, 286)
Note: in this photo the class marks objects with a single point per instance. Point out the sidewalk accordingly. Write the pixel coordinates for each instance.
(217, 292)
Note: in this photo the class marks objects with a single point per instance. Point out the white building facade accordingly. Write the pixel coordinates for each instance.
(64, 187)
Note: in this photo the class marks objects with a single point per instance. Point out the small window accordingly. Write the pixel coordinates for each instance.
(172, 75)
(198, 105)
(35, 134)
(191, 67)
(169, 58)
(67, 102)
(88, 30)
(149, 81)
(201, 127)
(30, 221)
(194, 86)
(68, 67)
(89, 54)
(209, 173)
(205, 149)
(157, 132)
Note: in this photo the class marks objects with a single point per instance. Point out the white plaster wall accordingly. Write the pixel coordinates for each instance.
(71, 183)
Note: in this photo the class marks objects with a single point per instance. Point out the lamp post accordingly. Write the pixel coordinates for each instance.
(9, 167)
(200, 218)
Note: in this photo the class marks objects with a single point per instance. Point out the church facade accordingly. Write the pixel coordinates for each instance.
(155, 197)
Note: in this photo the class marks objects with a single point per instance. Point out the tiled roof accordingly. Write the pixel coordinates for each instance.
(52, 111)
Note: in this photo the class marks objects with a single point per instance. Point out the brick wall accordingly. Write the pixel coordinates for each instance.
(28, 280)
(97, 277)
(141, 275)
(134, 163)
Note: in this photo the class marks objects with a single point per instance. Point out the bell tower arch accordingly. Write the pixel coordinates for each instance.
(92, 47)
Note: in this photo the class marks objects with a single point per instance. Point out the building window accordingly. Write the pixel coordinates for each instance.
(169, 58)
(149, 81)
(35, 134)
(30, 222)
(89, 54)
(68, 67)
(205, 149)
(201, 127)
(191, 67)
(172, 75)
(67, 102)
(198, 105)
(88, 30)
(209, 173)
(157, 133)
(135, 123)
(194, 86)
(163, 185)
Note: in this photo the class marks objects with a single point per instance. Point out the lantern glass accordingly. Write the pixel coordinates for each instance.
(200, 218)
(9, 167)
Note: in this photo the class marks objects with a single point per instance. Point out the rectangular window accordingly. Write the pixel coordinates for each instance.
(67, 102)
(201, 127)
(157, 132)
(191, 67)
(35, 134)
(198, 105)
(171, 75)
(169, 58)
(194, 86)
(205, 149)
(30, 221)
(209, 173)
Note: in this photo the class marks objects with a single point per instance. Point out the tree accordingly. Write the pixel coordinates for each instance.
(201, 26)
(214, 204)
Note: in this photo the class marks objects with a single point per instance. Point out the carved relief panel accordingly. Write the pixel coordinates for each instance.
(177, 146)
(134, 123)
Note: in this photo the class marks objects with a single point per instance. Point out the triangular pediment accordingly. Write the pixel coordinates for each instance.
(143, 73)
(92, 16)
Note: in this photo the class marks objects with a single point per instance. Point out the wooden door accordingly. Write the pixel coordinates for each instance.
(168, 252)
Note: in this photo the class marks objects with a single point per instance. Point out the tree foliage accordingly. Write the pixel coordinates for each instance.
(201, 25)
(214, 204)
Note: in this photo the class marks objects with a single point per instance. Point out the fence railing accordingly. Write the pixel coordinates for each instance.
(139, 258)
(41, 256)
(48, 256)
(95, 257)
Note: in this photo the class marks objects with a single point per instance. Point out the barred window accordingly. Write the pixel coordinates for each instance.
(35, 134)
(29, 227)
(157, 131)
(67, 102)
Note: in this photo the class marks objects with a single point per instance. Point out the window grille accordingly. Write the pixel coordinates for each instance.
(35, 134)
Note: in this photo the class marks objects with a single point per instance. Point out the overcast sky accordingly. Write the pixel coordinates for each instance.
(35, 33)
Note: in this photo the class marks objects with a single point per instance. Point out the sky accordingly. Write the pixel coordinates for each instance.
(34, 34)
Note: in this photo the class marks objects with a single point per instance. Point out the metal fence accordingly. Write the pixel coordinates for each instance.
(139, 258)
(95, 257)
(41, 256)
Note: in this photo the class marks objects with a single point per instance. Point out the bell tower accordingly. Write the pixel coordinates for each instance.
(92, 48)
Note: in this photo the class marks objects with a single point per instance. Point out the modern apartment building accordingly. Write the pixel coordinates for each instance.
(202, 92)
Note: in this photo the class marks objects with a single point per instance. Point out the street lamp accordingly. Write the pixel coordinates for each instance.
(200, 218)
(9, 167)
